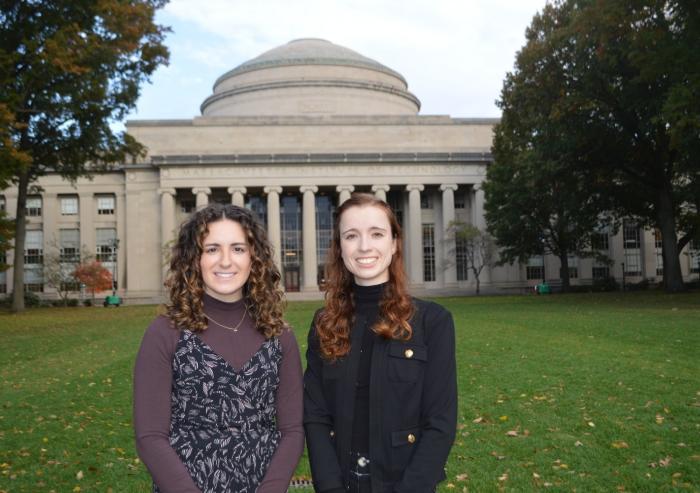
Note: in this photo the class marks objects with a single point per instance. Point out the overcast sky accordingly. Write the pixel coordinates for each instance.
(454, 54)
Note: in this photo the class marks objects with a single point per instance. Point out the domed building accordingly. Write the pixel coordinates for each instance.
(289, 134)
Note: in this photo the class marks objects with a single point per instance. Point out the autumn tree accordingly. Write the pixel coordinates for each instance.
(68, 70)
(479, 247)
(60, 267)
(627, 103)
(638, 102)
(94, 275)
(540, 198)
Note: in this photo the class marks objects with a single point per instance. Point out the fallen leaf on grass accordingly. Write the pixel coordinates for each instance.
(578, 443)
(620, 444)
(462, 477)
(79, 475)
(503, 477)
(512, 433)
(478, 420)
(662, 463)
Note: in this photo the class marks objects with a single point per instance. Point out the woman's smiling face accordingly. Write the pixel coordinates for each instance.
(226, 260)
(367, 244)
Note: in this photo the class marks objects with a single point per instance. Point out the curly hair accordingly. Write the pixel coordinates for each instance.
(263, 295)
(396, 307)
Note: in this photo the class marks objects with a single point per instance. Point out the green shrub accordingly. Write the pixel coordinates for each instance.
(31, 300)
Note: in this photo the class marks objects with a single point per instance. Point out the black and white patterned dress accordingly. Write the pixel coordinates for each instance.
(222, 418)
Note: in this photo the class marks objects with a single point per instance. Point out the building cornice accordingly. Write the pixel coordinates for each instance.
(323, 120)
(315, 84)
(327, 158)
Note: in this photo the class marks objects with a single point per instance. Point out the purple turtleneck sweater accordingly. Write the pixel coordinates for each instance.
(153, 383)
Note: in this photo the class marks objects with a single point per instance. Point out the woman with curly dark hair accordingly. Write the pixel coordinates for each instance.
(217, 381)
(380, 388)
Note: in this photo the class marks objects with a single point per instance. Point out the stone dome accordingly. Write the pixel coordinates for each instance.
(310, 77)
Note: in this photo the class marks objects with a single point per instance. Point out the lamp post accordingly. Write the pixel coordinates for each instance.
(115, 249)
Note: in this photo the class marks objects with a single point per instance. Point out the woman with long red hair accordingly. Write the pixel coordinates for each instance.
(380, 388)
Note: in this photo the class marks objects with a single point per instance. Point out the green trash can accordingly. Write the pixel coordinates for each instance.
(112, 300)
(543, 288)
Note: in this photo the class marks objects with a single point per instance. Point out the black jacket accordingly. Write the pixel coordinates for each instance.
(413, 406)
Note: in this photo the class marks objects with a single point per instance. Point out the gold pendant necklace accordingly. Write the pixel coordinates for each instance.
(235, 329)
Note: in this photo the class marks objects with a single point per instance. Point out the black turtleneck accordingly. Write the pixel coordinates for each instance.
(367, 299)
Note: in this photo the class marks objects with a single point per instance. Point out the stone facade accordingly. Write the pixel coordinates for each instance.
(291, 134)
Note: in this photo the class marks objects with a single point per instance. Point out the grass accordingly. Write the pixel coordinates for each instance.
(563, 393)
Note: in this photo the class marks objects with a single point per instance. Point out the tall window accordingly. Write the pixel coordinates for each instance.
(69, 245)
(535, 268)
(632, 245)
(69, 206)
(105, 245)
(33, 208)
(187, 204)
(3, 203)
(33, 261)
(258, 205)
(428, 252)
(324, 231)
(106, 250)
(290, 219)
(461, 259)
(395, 200)
(659, 245)
(426, 200)
(69, 257)
(601, 272)
(460, 202)
(105, 205)
(694, 252)
(600, 241)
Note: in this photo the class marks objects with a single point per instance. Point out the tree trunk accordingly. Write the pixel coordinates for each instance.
(673, 277)
(20, 233)
(564, 271)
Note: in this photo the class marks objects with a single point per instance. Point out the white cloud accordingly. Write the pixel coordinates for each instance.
(453, 53)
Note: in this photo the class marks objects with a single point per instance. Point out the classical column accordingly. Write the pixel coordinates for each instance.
(380, 191)
(237, 195)
(167, 223)
(415, 234)
(309, 237)
(448, 215)
(478, 218)
(273, 223)
(202, 194)
(344, 192)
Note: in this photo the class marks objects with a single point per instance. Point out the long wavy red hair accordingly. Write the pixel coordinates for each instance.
(396, 308)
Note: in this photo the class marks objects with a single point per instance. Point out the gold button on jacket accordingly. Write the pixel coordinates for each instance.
(411, 438)
(408, 353)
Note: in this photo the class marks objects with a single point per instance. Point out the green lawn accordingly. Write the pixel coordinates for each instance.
(560, 393)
